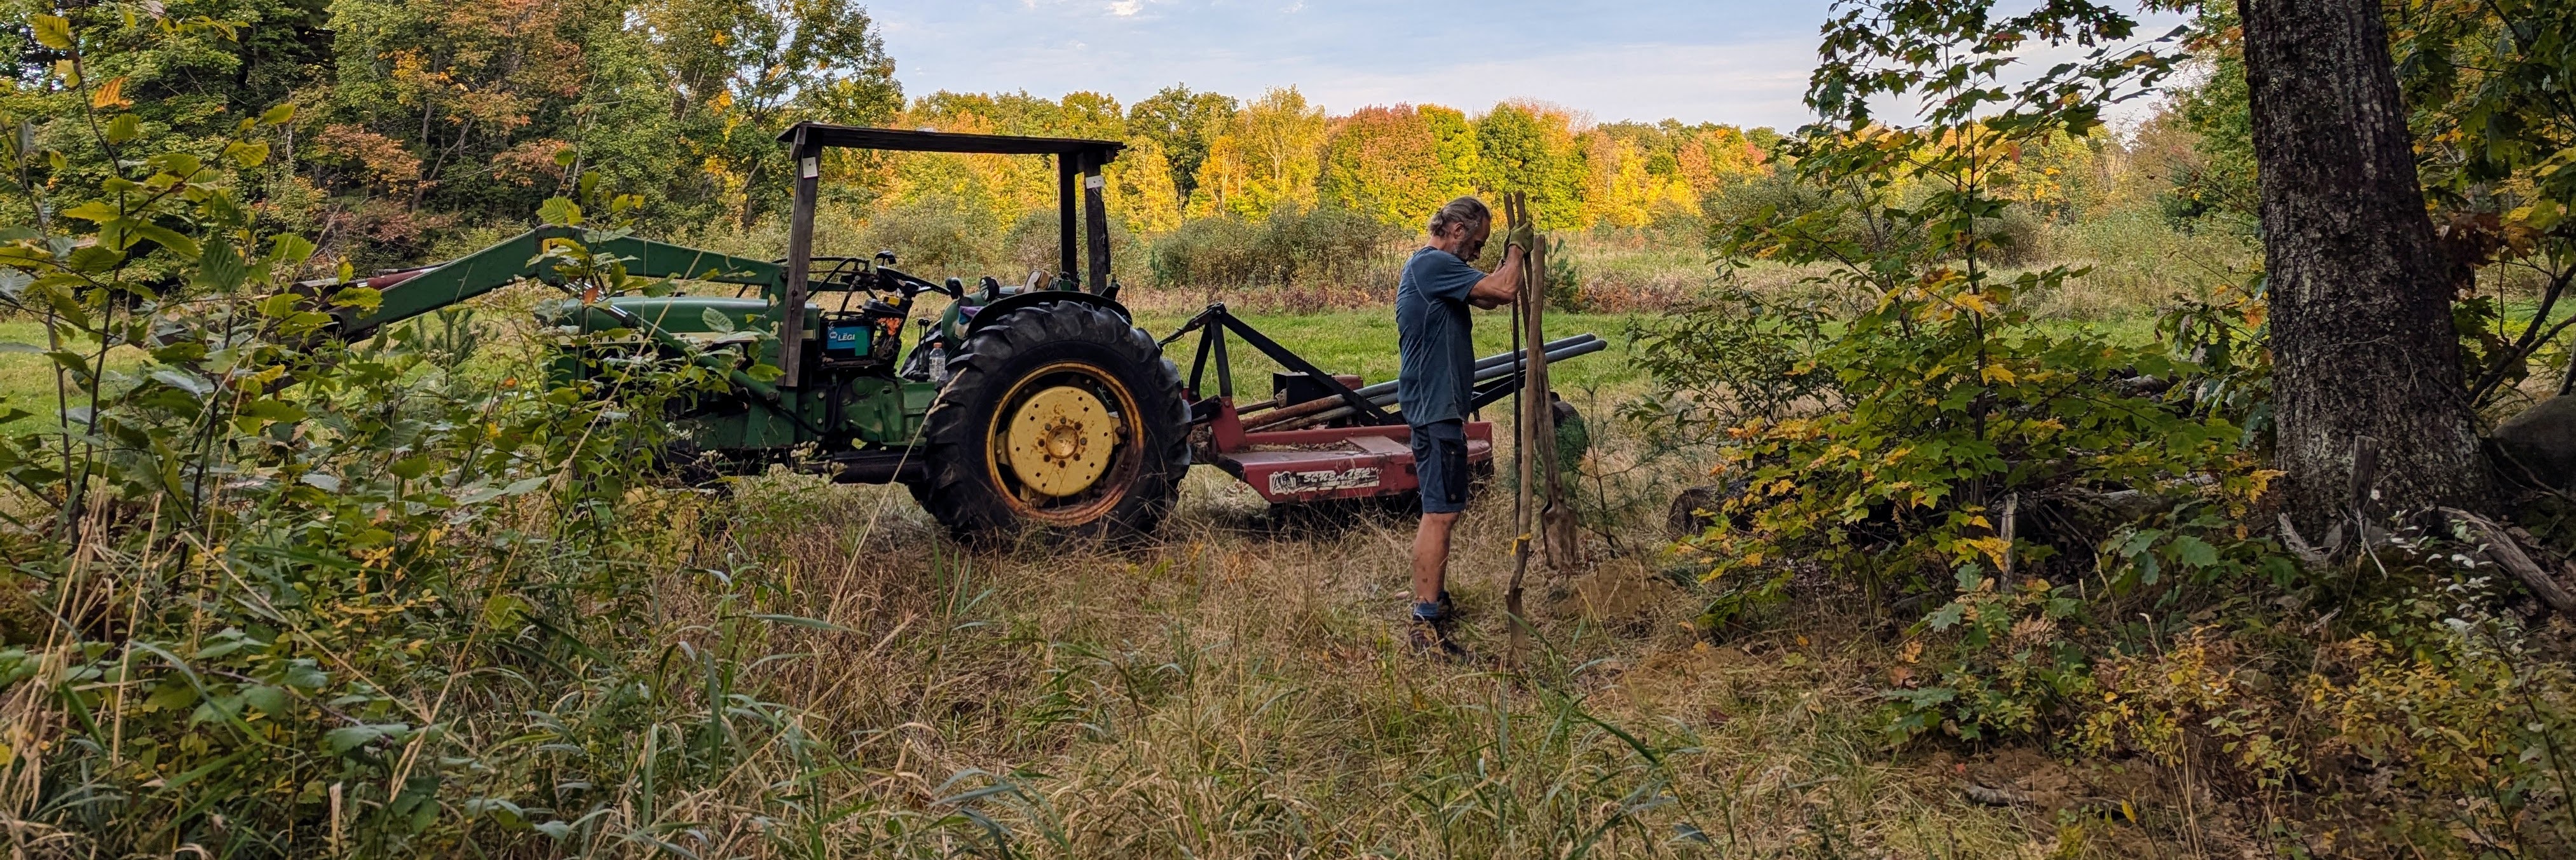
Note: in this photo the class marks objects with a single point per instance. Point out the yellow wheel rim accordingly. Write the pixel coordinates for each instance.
(1062, 446)
(1060, 440)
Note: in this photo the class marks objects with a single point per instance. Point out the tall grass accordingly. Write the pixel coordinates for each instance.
(2139, 259)
(797, 669)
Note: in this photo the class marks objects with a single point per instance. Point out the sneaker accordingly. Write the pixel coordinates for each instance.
(1431, 636)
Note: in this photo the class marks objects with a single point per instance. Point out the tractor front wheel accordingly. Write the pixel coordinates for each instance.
(1060, 416)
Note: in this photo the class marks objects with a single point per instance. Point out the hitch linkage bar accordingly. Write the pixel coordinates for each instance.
(1214, 322)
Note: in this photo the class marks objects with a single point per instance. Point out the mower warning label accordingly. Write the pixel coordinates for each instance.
(1288, 483)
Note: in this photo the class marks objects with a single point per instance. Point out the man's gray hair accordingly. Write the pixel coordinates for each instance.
(1462, 211)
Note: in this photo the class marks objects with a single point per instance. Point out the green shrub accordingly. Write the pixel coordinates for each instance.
(1917, 442)
(935, 234)
(1209, 252)
(2085, 517)
(1741, 357)
(1033, 246)
(304, 596)
(1565, 289)
(1293, 248)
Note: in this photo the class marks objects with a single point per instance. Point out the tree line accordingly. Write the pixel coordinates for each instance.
(420, 125)
(415, 120)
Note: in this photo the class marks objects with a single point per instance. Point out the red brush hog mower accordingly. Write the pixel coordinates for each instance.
(1321, 436)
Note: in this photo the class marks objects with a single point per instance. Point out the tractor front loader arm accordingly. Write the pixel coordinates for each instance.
(411, 293)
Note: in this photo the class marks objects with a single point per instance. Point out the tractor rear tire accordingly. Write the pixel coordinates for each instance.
(1061, 417)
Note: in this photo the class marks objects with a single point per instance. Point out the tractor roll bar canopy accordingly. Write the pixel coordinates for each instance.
(807, 140)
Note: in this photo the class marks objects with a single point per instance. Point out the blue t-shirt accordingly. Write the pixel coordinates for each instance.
(1431, 333)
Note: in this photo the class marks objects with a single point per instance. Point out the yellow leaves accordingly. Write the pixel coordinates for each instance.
(411, 68)
(52, 31)
(1974, 302)
(263, 378)
(247, 154)
(1998, 373)
(111, 95)
(2539, 216)
(2256, 313)
(2262, 479)
(1994, 548)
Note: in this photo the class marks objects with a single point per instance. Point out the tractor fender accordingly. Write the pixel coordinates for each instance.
(988, 313)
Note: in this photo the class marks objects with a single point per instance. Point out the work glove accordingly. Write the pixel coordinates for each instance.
(1523, 235)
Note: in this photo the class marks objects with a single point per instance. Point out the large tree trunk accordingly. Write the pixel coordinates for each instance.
(2362, 344)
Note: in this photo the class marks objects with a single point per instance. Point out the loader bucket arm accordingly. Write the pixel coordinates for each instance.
(410, 294)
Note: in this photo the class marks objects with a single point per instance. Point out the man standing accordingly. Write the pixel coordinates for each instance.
(1431, 302)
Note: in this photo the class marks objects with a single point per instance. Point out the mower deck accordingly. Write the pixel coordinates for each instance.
(1322, 463)
(1331, 441)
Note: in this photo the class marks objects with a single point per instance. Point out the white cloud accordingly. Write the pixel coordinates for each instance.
(1126, 8)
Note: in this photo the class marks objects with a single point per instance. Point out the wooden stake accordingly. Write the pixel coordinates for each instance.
(1535, 416)
(1555, 517)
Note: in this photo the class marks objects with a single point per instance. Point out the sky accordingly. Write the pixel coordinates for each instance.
(1743, 63)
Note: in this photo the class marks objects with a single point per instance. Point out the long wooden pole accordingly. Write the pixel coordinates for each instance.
(1531, 438)
(1556, 525)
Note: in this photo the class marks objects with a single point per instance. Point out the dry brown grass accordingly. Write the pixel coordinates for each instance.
(1238, 688)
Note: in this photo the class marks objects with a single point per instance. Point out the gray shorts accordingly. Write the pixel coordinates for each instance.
(1440, 465)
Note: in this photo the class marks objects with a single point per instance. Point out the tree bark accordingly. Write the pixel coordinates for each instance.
(2362, 344)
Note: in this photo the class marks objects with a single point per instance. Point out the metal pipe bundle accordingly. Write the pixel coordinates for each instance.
(1487, 369)
(1497, 359)
(1381, 392)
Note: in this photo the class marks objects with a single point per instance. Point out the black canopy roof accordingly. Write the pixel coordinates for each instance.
(901, 140)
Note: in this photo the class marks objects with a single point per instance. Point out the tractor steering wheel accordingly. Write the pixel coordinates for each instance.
(908, 286)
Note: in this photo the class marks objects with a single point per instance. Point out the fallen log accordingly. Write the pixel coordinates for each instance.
(2507, 553)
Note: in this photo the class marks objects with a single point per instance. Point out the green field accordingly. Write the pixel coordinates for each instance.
(1363, 342)
(1348, 341)
(26, 380)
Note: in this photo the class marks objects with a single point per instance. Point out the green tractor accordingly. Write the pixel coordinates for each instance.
(1038, 406)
